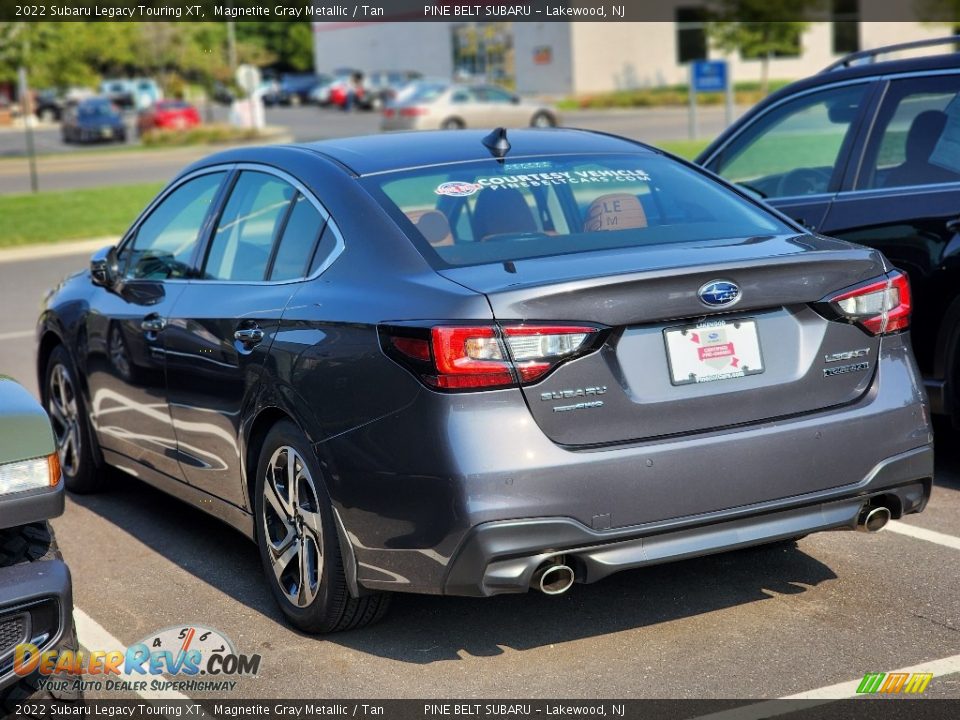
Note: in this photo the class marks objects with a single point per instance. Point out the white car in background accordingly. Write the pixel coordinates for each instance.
(434, 105)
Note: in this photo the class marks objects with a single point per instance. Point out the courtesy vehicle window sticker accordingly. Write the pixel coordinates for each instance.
(457, 189)
(564, 177)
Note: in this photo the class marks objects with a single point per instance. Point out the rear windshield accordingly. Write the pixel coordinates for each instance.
(492, 211)
(96, 109)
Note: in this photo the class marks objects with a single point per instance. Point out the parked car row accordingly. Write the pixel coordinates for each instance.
(98, 119)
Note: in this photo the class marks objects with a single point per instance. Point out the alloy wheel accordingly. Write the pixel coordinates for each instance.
(292, 525)
(65, 418)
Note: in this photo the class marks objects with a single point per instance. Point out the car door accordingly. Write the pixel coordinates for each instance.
(223, 324)
(123, 349)
(905, 201)
(794, 154)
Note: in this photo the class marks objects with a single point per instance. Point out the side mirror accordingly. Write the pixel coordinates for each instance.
(515, 99)
(105, 268)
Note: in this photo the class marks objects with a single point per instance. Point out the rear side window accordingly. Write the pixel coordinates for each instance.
(917, 135)
(490, 211)
(299, 238)
(250, 222)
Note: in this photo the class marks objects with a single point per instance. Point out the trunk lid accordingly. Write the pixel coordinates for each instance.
(637, 386)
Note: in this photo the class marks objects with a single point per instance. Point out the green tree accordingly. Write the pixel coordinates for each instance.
(288, 45)
(61, 54)
(760, 29)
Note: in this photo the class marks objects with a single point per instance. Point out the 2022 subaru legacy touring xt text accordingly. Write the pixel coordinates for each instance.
(470, 364)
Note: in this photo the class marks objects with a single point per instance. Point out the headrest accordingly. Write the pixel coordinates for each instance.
(615, 211)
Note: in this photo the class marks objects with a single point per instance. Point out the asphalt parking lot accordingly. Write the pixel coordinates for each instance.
(759, 623)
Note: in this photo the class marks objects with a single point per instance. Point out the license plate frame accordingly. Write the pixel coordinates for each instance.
(713, 350)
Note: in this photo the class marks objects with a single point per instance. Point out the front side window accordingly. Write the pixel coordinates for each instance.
(916, 137)
(794, 148)
(250, 222)
(164, 244)
(490, 211)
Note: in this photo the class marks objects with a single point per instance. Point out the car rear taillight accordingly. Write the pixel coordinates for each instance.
(880, 307)
(413, 111)
(388, 112)
(460, 357)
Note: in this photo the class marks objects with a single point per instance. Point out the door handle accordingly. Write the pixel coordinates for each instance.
(152, 324)
(249, 337)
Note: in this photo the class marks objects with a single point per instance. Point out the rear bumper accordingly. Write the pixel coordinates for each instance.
(36, 599)
(501, 557)
(432, 497)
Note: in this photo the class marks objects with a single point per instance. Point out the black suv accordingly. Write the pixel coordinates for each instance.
(869, 151)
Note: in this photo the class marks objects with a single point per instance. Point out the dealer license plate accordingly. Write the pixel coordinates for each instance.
(713, 350)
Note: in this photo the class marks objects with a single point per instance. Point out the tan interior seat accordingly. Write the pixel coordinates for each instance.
(615, 211)
(502, 211)
(433, 225)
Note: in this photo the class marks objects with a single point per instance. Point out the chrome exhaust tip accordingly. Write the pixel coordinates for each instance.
(553, 578)
(873, 519)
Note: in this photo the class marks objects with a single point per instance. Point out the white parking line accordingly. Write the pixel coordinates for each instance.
(828, 694)
(923, 534)
(16, 334)
(93, 636)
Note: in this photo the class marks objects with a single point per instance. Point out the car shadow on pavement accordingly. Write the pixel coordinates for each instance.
(206, 548)
(427, 629)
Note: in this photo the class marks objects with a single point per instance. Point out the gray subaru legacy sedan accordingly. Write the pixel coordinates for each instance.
(477, 362)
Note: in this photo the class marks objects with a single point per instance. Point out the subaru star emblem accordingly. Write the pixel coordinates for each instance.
(719, 293)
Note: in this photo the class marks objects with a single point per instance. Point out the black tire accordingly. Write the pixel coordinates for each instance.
(543, 120)
(27, 544)
(71, 426)
(323, 606)
(452, 124)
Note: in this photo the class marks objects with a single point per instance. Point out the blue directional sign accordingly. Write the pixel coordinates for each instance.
(709, 76)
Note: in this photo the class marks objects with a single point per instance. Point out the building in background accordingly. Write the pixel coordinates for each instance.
(577, 58)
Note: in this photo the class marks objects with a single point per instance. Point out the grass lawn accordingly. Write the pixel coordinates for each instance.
(52, 216)
(688, 149)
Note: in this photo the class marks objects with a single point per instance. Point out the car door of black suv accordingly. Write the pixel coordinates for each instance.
(905, 201)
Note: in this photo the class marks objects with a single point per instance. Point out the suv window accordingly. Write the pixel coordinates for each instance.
(164, 243)
(916, 135)
(252, 219)
(793, 149)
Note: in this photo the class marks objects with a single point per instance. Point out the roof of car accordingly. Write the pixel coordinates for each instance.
(395, 151)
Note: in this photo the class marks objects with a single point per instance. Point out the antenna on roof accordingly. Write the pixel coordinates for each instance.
(497, 143)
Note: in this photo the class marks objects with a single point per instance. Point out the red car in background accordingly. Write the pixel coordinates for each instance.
(168, 115)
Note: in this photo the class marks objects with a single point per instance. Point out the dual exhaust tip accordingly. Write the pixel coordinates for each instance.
(873, 518)
(553, 577)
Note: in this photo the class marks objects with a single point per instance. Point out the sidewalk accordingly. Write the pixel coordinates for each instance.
(59, 249)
